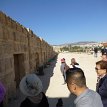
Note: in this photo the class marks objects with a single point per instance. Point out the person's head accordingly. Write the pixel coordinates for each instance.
(31, 85)
(73, 61)
(75, 80)
(63, 60)
(101, 68)
(104, 57)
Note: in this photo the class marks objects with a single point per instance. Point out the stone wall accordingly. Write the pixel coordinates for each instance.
(21, 52)
(104, 44)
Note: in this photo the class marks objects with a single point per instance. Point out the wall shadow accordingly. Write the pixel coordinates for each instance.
(67, 101)
(48, 73)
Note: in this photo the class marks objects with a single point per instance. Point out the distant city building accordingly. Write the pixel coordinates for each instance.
(104, 44)
(57, 48)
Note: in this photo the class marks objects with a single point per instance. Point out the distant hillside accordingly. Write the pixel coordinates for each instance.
(79, 43)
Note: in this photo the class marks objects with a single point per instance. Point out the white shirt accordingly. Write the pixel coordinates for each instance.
(62, 67)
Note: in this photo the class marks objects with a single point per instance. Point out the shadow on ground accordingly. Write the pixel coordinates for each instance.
(48, 73)
(67, 101)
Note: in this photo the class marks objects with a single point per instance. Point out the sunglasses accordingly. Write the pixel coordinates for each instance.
(96, 69)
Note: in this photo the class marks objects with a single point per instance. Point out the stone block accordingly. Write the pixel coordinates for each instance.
(2, 66)
(2, 18)
(25, 31)
(7, 65)
(15, 47)
(8, 48)
(1, 49)
(19, 27)
(9, 20)
(16, 36)
(10, 34)
(5, 33)
(1, 32)
(13, 24)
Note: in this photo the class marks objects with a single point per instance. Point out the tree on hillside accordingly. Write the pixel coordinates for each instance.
(72, 48)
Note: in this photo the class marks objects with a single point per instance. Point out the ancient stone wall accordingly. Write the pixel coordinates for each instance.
(104, 44)
(21, 52)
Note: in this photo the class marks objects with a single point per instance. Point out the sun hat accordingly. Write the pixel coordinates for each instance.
(31, 85)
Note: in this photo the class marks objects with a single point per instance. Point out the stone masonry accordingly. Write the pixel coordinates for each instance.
(21, 52)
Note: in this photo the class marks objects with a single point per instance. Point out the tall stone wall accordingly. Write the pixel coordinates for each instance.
(21, 52)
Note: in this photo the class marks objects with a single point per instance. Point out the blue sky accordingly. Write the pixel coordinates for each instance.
(61, 21)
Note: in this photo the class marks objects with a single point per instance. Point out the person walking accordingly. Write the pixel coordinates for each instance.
(76, 83)
(95, 51)
(101, 86)
(64, 67)
(31, 86)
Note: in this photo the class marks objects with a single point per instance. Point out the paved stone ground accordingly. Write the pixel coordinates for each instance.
(53, 79)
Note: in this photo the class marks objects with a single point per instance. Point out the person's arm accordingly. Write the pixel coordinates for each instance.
(66, 67)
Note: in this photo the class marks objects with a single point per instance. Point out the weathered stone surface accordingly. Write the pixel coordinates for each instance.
(21, 52)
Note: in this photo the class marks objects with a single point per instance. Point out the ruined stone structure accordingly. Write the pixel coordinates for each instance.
(57, 48)
(21, 52)
(104, 44)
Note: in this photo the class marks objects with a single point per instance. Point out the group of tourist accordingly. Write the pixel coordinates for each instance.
(103, 50)
(64, 67)
(31, 86)
(76, 83)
